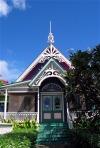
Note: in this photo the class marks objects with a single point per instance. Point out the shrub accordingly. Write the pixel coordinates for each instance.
(19, 138)
(23, 135)
(25, 124)
(93, 139)
(14, 141)
(92, 123)
(88, 129)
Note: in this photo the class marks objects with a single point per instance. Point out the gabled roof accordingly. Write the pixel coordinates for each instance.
(51, 69)
(41, 60)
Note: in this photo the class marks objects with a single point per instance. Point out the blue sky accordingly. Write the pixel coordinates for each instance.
(24, 28)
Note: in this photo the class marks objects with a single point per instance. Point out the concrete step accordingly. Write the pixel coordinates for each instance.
(53, 133)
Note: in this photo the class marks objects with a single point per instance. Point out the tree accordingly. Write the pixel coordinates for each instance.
(84, 79)
(3, 82)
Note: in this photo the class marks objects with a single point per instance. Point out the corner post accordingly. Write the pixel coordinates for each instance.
(5, 104)
(38, 105)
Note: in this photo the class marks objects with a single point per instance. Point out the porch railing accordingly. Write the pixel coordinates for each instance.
(19, 115)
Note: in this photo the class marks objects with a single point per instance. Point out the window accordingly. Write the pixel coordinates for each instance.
(2, 101)
(57, 102)
(47, 103)
(52, 87)
(1, 107)
(27, 103)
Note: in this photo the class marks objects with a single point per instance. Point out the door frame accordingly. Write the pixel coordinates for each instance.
(52, 93)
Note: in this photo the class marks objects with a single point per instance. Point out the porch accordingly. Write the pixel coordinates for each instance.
(19, 116)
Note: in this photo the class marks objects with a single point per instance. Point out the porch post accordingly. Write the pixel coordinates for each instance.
(38, 105)
(69, 118)
(5, 104)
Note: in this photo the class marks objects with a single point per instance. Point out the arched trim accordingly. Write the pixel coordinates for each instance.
(60, 78)
(51, 87)
(51, 69)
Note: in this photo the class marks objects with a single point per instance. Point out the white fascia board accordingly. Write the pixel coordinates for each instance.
(30, 67)
(44, 69)
(65, 59)
(15, 84)
(36, 61)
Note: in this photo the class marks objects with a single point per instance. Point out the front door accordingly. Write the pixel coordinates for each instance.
(52, 108)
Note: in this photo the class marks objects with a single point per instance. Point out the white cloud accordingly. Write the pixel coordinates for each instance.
(4, 8)
(20, 4)
(7, 71)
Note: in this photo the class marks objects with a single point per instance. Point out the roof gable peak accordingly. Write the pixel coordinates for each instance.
(49, 52)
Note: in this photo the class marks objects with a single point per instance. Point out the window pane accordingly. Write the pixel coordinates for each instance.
(1, 107)
(2, 98)
(47, 103)
(57, 102)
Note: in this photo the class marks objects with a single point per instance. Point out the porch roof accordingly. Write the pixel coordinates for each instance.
(18, 87)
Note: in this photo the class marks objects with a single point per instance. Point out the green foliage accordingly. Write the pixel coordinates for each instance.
(93, 139)
(23, 135)
(84, 79)
(87, 128)
(14, 141)
(92, 123)
(19, 138)
(26, 124)
(10, 120)
(3, 82)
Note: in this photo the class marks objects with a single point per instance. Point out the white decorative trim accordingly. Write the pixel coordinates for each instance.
(38, 105)
(51, 86)
(51, 69)
(50, 36)
(49, 52)
(19, 116)
(52, 52)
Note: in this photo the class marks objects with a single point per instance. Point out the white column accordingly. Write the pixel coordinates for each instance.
(5, 104)
(38, 105)
(69, 119)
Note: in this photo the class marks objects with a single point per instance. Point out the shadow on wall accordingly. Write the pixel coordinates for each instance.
(28, 104)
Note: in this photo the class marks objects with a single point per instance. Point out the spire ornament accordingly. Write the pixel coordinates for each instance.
(50, 36)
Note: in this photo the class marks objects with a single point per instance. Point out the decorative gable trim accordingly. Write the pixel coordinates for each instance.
(49, 52)
(52, 52)
(51, 69)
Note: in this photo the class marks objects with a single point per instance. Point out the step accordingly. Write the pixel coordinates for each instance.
(53, 133)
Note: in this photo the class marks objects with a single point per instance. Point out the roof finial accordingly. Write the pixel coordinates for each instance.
(50, 26)
(50, 36)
